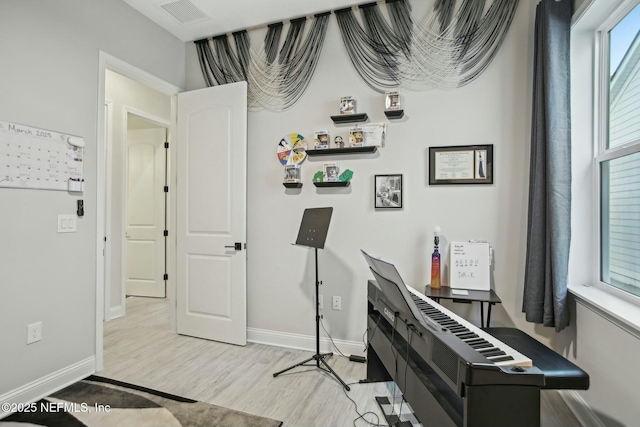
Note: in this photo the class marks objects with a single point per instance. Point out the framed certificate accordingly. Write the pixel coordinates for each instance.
(465, 164)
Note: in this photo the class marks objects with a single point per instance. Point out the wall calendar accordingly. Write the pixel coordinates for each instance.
(40, 159)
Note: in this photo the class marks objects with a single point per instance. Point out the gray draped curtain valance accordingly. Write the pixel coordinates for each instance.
(448, 48)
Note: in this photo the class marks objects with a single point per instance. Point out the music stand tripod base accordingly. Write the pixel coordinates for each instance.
(313, 233)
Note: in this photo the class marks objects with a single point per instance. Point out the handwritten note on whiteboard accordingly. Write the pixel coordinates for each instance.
(38, 158)
(469, 266)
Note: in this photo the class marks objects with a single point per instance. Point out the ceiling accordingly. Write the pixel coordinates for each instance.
(192, 20)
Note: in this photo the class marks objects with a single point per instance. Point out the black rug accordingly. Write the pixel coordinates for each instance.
(97, 401)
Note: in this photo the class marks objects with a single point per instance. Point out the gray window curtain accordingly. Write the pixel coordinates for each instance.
(549, 225)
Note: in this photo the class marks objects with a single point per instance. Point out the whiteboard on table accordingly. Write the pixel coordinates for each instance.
(470, 266)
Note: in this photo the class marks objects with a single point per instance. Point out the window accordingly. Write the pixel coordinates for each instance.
(618, 153)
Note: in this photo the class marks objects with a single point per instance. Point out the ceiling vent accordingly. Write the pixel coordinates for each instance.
(184, 11)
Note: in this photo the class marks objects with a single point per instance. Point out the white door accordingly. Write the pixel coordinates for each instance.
(145, 210)
(211, 213)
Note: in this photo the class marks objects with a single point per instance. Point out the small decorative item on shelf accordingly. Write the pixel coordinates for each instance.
(356, 137)
(339, 142)
(435, 260)
(321, 140)
(392, 100)
(331, 171)
(347, 105)
(374, 134)
(392, 105)
(292, 149)
(346, 175)
(318, 176)
(292, 173)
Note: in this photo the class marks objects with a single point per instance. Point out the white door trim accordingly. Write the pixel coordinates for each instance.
(109, 313)
(106, 61)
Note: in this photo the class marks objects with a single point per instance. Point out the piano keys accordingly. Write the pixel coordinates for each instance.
(485, 344)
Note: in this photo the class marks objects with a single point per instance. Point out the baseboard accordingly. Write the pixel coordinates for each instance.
(116, 312)
(580, 408)
(51, 383)
(303, 342)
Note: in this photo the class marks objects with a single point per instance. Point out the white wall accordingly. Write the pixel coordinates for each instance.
(495, 109)
(126, 95)
(49, 79)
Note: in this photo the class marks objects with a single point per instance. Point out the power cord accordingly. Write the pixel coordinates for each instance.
(366, 343)
(375, 423)
(331, 339)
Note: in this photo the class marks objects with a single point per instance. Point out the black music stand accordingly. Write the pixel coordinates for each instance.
(313, 233)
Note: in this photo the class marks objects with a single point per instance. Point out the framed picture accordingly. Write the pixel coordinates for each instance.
(388, 191)
(464, 164)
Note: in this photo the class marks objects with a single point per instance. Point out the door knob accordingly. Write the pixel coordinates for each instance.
(237, 246)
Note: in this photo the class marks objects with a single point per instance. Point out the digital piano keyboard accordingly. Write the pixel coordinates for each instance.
(487, 345)
(451, 372)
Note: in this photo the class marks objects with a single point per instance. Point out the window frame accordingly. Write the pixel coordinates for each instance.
(602, 154)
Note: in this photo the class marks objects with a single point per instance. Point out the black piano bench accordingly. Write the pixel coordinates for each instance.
(559, 373)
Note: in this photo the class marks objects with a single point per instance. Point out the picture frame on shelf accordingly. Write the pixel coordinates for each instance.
(464, 164)
(388, 191)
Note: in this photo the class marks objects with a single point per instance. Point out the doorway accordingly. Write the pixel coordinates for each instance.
(136, 165)
(159, 108)
(228, 154)
(145, 227)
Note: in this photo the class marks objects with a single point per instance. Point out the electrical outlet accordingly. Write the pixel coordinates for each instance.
(320, 302)
(34, 332)
(337, 303)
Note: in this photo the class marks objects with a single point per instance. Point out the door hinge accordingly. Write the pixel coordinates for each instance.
(166, 145)
(166, 233)
(166, 188)
(166, 276)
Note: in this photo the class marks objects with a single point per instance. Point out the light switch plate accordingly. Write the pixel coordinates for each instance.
(67, 224)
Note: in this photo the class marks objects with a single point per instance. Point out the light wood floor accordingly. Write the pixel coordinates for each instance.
(139, 348)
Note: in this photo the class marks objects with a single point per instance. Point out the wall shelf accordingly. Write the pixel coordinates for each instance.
(394, 114)
(350, 118)
(332, 183)
(347, 150)
(292, 184)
